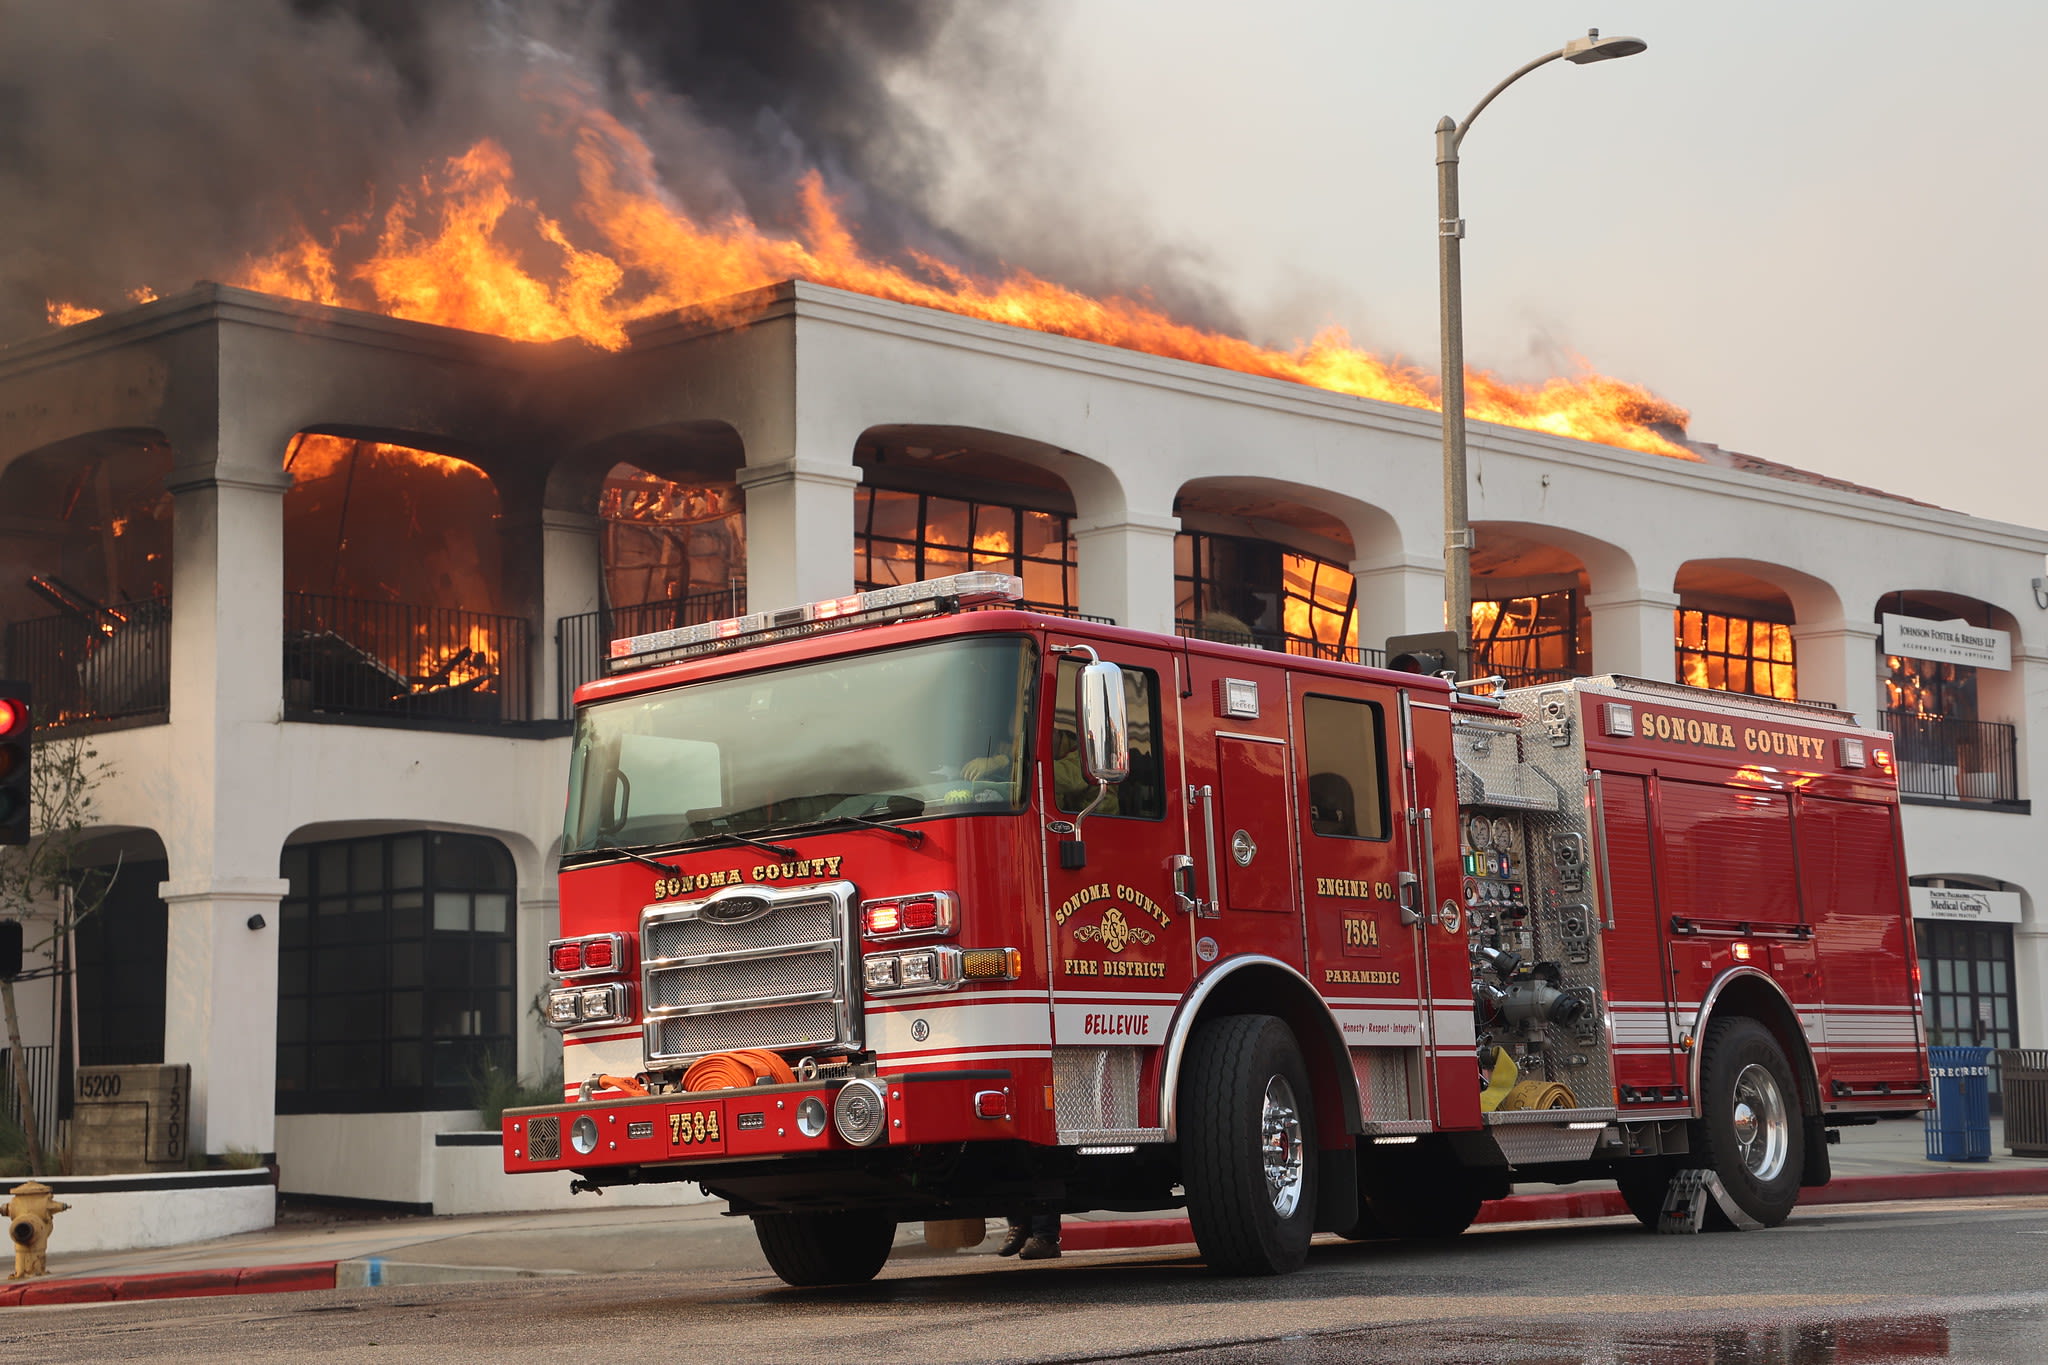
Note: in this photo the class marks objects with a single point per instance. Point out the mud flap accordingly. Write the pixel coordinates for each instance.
(1336, 1188)
(1685, 1203)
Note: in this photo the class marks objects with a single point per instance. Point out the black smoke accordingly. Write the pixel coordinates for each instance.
(146, 144)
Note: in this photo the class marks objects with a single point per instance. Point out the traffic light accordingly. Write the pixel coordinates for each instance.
(15, 730)
(1433, 652)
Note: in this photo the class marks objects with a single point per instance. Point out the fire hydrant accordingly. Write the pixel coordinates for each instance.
(30, 1215)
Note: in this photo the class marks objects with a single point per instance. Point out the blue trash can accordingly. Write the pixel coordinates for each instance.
(1959, 1125)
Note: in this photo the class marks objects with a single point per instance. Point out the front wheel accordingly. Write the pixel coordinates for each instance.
(812, 1249)
(1248, 1145)
(1753, 1135)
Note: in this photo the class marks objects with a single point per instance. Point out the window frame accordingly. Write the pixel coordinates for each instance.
(1309, 768)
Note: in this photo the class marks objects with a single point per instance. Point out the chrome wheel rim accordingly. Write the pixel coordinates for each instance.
(1763, 1132)
(1281, 1145)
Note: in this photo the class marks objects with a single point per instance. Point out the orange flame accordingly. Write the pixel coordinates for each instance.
(457, 249)
(63, 314)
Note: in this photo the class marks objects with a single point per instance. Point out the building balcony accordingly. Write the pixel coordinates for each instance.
(95, 666)
(1946, 760)
(393, 662)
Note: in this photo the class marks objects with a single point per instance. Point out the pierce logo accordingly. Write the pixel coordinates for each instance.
(733, 909)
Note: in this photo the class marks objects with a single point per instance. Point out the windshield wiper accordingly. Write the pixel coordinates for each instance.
(654, 863)
(914, 837)
(721, 836)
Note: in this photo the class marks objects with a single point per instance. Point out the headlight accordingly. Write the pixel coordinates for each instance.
(919, 969)
(583, 1134)
(858, 1112)
(562, 1011)
(602, 1004)
(879, 972)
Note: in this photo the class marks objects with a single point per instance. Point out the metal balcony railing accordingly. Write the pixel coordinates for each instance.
(1948, 759)
(350, 656)
(581, 641)
(105, 663)
(1281, 643)
(40, 1061)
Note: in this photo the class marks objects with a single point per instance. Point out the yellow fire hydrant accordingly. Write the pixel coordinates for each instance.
(30, 1215)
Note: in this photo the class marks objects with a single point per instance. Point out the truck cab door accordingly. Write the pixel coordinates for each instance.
(1120, 948)
(1365, 954)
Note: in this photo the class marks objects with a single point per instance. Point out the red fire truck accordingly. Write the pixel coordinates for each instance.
(908, 905)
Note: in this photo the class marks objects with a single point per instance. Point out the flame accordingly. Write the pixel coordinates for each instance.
(63, 314)
(459, 247)
(314, 456)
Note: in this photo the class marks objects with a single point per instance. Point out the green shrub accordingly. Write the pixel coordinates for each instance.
(495, 1089)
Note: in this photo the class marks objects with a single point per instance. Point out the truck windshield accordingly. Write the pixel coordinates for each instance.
(933, 729)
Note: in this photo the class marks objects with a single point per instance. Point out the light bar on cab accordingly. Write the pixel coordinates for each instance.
(900, 602)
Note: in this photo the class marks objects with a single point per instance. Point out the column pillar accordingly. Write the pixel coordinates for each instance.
(1126, 568)
(1398, 594)
(799, 531)
(538, 1048)
(1838, 662)
(571, 570)
(220, 1008)
(1635, 632)
(220, 783)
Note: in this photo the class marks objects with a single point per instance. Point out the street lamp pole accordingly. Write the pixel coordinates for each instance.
(1450, 230)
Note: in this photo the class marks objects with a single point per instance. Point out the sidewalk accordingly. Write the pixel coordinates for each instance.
(1885, 1161)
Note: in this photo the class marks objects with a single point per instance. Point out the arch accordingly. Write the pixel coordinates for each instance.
(1960, 725)
(1812, 600)
(1532, 618)
(1273, 563)
(85, 574)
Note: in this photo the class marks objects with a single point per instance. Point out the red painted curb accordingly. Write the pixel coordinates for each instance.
(174, 1284)
(1109, 1235)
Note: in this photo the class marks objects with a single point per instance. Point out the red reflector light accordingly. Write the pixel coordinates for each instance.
(921, 914)
(884, 917)
(991, 1104)
(597, 954)
(568, 958)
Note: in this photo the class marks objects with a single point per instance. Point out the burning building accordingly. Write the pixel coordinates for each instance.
(317, 557)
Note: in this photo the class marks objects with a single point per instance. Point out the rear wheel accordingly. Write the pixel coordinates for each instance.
(1248, 1145)
(810, 1249)
(1753, 1135)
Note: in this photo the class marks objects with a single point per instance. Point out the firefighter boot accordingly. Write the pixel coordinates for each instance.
(30, 1214)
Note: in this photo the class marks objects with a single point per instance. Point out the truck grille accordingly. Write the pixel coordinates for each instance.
(544, 1138)
(750, 967)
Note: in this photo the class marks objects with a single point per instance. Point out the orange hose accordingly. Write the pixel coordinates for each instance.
(631, 1087)
(736, 1070)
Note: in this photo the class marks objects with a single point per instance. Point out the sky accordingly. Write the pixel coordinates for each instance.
(1819, 227)
(1815, 226)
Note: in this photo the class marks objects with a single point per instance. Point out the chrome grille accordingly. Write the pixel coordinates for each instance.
(811, 920)
(1095, 1088)
(544, 1138)
(783, 978)
(814, 1024)
(799, 973)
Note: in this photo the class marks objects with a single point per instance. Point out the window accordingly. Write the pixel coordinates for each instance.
(1143, 793)
(1231, 586)
(905, 537)
(1528, 640)
(1347, 776)
(395, 970)
(1736, 654)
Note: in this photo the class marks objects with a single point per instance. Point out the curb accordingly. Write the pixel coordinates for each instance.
(1110, 1235)
(177, 1284)
(1080, 1234)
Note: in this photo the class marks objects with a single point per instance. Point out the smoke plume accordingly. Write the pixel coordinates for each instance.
(146, 145)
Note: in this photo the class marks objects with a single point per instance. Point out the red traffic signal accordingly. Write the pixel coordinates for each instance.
(16, 733)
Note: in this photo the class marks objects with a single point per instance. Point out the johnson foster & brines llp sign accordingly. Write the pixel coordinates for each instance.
(1947, 642)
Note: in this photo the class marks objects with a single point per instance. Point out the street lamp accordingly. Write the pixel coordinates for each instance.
(1450, 230)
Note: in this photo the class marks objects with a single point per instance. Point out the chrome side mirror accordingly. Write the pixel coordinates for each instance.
(1105, 736)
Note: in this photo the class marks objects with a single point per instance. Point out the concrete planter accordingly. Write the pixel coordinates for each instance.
(159, 1209)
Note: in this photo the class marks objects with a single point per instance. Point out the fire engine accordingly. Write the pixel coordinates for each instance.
(912, 905)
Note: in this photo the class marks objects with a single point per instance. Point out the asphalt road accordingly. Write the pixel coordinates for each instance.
(1961, 1280)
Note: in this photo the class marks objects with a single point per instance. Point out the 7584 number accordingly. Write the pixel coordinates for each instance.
(691, 1126)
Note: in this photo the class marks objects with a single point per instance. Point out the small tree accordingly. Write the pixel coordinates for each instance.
(44, 877)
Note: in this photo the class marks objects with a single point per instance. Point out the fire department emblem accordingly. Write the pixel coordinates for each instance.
(1115, 932)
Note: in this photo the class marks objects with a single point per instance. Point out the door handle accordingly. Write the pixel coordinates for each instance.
(1212, 908)
(1409, 893)
(1183, 866)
